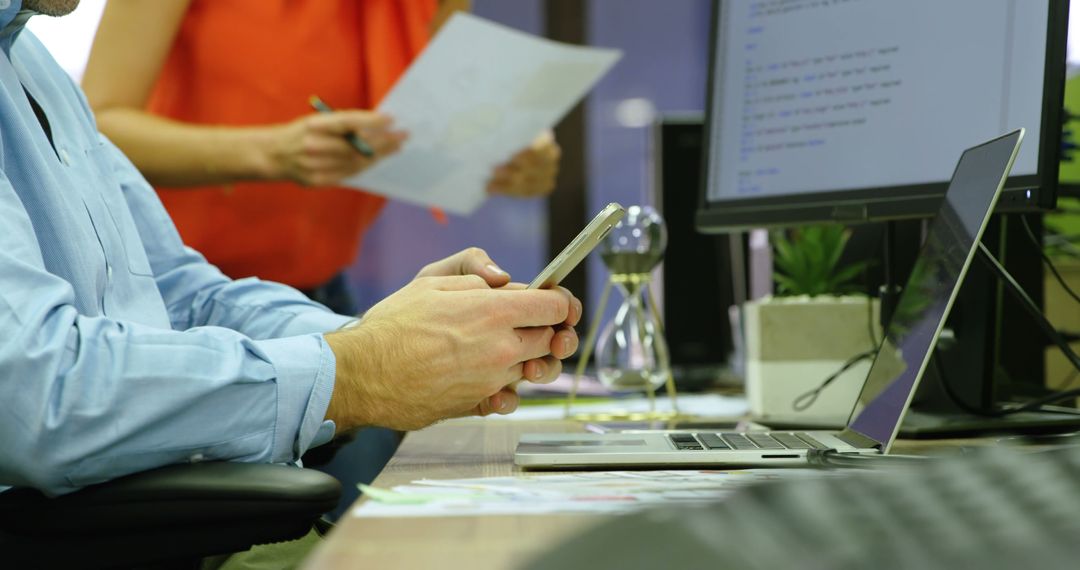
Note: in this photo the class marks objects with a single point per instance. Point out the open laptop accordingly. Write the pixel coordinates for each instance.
(909, 339)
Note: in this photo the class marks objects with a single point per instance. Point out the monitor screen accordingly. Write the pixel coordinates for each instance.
(1069, 175)
(854, 110)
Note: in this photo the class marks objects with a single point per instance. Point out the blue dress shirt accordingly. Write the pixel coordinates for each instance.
(121, 349)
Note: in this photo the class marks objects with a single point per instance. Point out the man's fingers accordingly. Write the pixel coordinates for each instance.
(532, 342)
(532, 307)
(535, 342)
(504, 401)
(574, 316)
(456, 282)
(475, 261)
(535, 307)
(543, 370)
(564, 343)
(472, 261)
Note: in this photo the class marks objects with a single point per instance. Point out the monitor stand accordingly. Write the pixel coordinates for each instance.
(952, 421)
(938, 425)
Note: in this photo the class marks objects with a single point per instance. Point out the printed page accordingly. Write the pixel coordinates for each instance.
(588, 492)
(479, 93)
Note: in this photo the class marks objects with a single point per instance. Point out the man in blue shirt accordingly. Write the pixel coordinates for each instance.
(121, 350)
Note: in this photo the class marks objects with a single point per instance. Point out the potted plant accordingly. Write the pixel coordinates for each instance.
(816, 324)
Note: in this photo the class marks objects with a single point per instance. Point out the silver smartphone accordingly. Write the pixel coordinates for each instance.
(585, 241)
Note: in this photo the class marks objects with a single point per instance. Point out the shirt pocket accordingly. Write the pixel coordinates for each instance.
(100, 163)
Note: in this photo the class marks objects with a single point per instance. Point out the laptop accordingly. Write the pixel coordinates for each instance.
(950, 245)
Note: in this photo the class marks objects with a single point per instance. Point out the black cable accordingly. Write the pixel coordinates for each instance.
(833, 458)
(1033, 405)
(953, 396)
(807, 399)
(1028, 305)
(1038, 403)
(1068, 379)
(870, 307)
(1046, 259)
(1063, 242)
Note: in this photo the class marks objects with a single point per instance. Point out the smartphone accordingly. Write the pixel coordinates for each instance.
(585, 241)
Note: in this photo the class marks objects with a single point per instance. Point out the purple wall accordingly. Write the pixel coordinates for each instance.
(664, 67)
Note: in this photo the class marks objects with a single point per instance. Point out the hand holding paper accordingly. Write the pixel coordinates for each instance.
(479, 94)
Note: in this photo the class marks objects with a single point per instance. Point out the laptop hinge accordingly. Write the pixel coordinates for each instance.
(858, 440)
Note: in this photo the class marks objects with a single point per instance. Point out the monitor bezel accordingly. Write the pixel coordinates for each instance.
(1031, 192)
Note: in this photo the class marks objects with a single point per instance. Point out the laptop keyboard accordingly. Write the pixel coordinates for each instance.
(744, 442)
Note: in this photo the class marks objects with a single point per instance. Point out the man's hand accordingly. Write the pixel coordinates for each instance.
(475, 261)
(312, 150)
(531, 172)
(449, 345)
(472, 261)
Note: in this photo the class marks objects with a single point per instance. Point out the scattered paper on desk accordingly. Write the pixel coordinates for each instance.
(479, 93)
(589, 492)
(702, 405)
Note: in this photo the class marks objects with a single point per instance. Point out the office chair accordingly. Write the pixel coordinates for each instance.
(169, 516)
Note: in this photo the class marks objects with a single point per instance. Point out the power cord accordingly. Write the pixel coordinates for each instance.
(1033, 405)
(1046, 259)
(807, 399)
(831, 458)
(1068, 380)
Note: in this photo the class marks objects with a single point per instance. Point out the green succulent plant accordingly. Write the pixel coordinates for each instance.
(807, 262)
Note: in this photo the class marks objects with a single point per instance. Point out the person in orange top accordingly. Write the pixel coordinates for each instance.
(209, 98)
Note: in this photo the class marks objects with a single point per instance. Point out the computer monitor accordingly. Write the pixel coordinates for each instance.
(1069, 174)
(855, 111)
(702, 276)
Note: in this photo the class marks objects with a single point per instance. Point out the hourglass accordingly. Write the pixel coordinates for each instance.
(630, 352)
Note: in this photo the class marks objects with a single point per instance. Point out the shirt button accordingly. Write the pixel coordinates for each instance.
(108, 272)
(197, 458)
(64, 158)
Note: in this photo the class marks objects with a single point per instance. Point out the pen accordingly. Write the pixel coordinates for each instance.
(354, 140)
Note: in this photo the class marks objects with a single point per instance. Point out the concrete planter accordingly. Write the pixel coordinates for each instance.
(793, 344)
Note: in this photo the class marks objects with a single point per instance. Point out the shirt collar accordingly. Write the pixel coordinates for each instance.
(12, 19)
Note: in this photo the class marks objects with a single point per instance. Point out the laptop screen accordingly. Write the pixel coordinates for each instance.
(935, 278)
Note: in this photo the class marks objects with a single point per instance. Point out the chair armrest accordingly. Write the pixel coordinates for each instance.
(174, 496)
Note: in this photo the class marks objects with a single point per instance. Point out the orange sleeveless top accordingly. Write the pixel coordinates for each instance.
(254, 62)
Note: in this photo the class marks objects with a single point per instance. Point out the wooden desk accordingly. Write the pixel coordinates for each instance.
(450, 451)
(457, 450)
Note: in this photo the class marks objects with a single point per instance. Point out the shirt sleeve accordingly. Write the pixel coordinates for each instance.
(195, 292)
(84, 399)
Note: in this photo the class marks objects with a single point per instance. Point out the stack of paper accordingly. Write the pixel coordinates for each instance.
(591, 492)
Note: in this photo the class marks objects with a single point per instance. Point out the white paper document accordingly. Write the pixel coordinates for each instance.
(479, 93)
(589, 492)
(701, 405)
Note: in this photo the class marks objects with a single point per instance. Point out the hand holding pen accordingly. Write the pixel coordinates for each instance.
(322, 149)
(353, 138)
